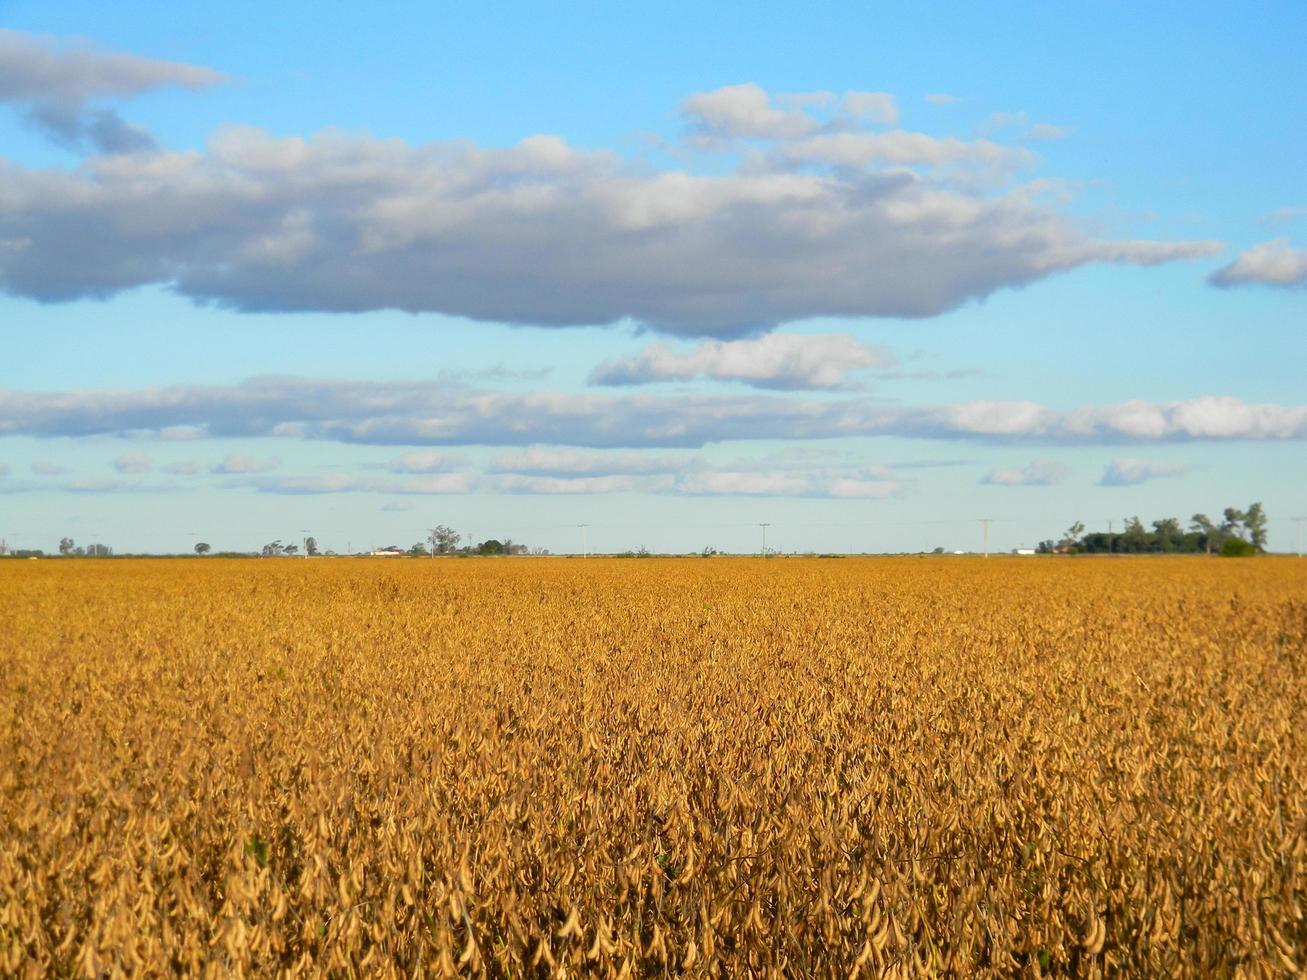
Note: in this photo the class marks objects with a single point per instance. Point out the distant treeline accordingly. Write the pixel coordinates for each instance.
(1241, 532)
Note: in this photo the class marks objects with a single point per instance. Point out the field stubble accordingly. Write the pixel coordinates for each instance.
(709, 768)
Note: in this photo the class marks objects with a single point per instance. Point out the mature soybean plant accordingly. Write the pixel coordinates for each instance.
(884, 767)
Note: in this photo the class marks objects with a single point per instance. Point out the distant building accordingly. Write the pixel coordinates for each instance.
(392, 552)
(1023, 551)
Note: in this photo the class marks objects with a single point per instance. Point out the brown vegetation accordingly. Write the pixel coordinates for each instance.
(728, 768)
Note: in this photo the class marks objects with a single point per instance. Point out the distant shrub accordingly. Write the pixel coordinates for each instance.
(1237, 548)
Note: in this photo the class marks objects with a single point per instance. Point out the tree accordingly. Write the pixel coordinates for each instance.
(1072, 536)
(310, 546)
(272, 549)
(98, 550)
(291, 549)
(444, 541)
(418, 550)
(1254, 521)
(66, 546)
(1202, 525)
(202, 548)
(1167, 534)
(491, 547)
(1134, 539)
(1232, 525)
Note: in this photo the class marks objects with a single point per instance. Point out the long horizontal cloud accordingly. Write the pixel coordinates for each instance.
(39, 68)
(443, 414)
(542, 233)
(1273, 263)
(782, 361)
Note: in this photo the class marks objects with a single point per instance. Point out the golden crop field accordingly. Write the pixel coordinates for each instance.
(726, 767)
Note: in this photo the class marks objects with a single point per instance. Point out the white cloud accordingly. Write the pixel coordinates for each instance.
(901, 148)
(782, 361)
(545, 234)
(1273, 263)
(876, 107)
(744, 111)
(182, 469)
(1128, 472)
(42, 468)
(238, 463)
(1040, 473)
(438, 413)
(133, 463)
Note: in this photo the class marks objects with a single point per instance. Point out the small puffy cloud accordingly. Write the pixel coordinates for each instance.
(876, 107)
(942, 98)
(44, 468)
(747, 483)
(901, 148)
(521, 483)
(238, 464)
(1047, 131)
(743, 111)
(1129, 472)
(133, 463)
(781, 361)
(1284, 216)
(1273, 263)
(348, 483)
(566, 462)
(424, 462)
(864, 489)
(1040, 473)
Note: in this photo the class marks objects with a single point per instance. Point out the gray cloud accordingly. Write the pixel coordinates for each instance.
(545, 234)
(1273, 263)
(443, 414)
(100, 129)
(777, 360)
(1129, 472)
(39, 68)
(55, 80)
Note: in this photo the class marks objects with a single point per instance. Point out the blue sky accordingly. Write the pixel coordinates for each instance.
(866, 274)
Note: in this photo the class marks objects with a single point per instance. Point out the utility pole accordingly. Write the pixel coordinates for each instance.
(984, 522)
(764, 538)
(585, 547)
(1299, 522)
(1109, 535)
(432, 538)
(304, 541)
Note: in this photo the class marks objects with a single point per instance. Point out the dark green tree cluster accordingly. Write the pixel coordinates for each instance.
(1240, 532)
